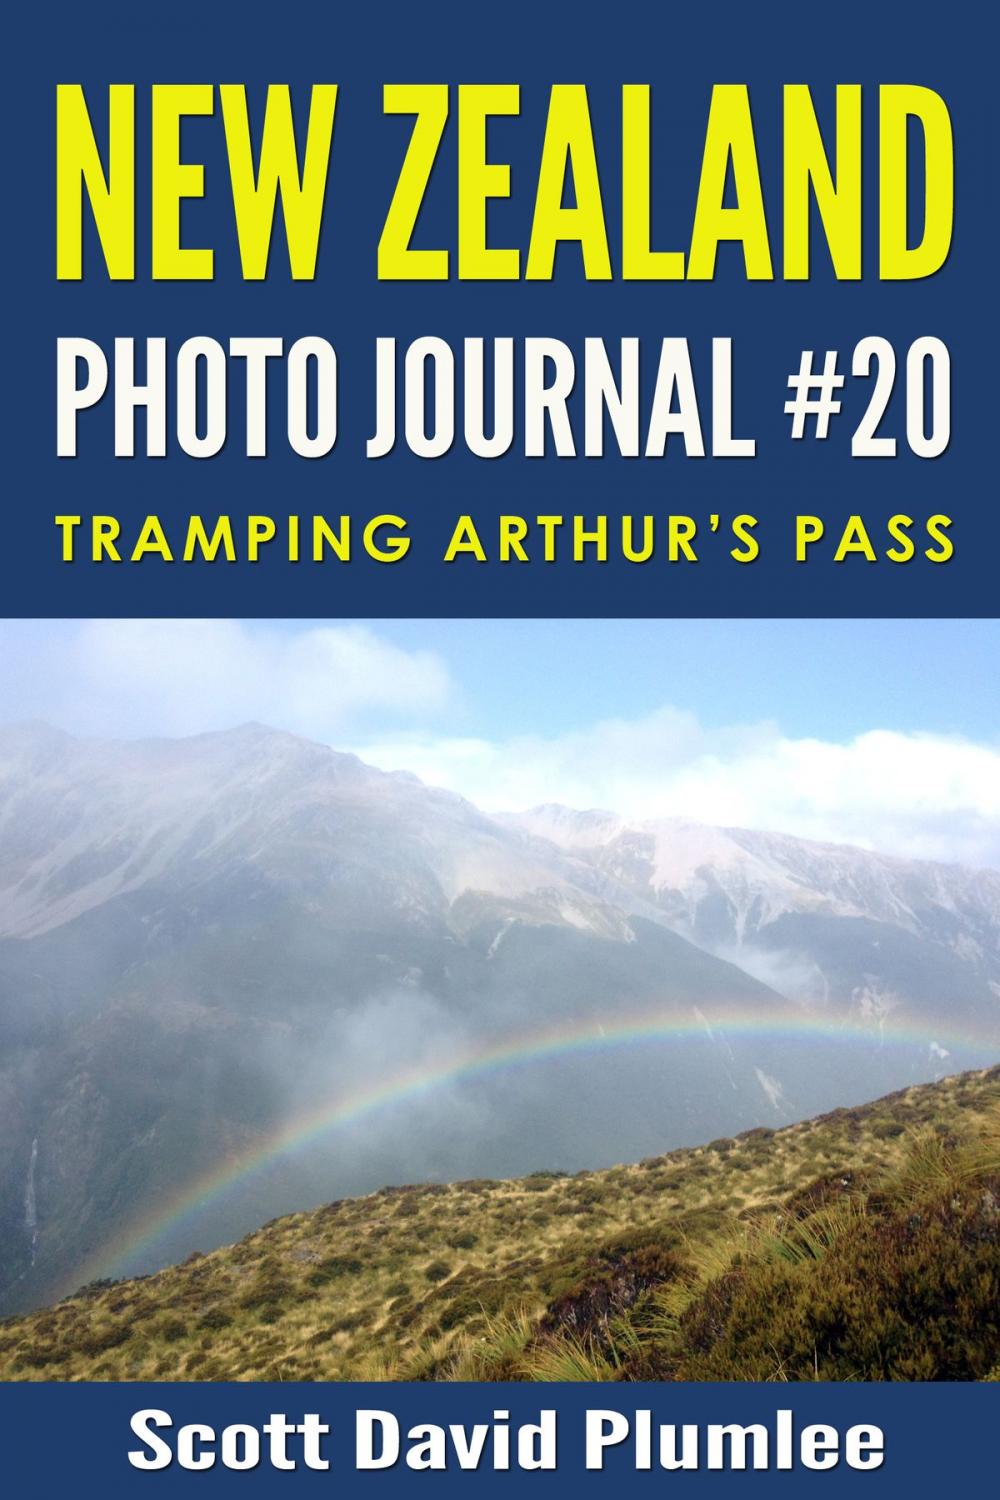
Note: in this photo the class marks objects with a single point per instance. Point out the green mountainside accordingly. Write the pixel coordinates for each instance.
(864, 1244)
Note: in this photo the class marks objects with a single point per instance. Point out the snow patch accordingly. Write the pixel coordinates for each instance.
(772, 1088)
(504, 929)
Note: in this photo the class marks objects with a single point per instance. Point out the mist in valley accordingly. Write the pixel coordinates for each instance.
(242, 975)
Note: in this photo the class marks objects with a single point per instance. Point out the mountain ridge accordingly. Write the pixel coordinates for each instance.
(202, 939)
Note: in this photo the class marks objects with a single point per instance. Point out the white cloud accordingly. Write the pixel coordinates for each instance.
(184, 676)
(915, 794)
(921, 795)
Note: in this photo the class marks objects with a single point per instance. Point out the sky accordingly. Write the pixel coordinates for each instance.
(880, 733)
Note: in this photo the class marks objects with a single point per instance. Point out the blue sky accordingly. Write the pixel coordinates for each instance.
(830, 678)
(881, 733)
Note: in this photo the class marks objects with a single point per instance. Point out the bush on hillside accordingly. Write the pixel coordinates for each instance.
(904, 1291)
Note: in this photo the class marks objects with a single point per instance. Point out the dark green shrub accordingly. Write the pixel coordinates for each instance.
(463, 1241)
(332, 1267)
(270, 1312)
(587, 1193)
(214, 1318)
(610, 1282)
(905, 1292)
(266, 1290)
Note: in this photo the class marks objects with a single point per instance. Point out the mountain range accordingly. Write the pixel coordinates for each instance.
(208, 943)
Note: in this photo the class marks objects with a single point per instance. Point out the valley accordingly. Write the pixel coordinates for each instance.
(242, 974)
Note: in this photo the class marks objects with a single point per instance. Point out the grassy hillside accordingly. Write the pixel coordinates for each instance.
(863, 1244)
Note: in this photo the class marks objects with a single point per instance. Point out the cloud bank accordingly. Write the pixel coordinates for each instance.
(920, 795)
(178, 677)
(915, 794)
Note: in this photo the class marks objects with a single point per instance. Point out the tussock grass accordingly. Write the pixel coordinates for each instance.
(719, 1262)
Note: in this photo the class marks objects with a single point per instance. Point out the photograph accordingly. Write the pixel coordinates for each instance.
(488, 1000)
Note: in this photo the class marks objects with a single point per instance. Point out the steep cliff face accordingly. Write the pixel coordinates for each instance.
(204, 941)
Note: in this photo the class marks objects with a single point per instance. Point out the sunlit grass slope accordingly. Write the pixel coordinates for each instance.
(861, 1245)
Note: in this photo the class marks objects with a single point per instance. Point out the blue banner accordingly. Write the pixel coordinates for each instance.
(813, 438)
(232, 1439)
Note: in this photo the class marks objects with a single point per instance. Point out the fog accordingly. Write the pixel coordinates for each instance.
(243, 975)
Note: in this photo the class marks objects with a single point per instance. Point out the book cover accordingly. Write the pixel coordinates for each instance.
(499, 829)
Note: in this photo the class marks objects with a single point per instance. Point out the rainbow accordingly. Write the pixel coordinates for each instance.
(525, 1049)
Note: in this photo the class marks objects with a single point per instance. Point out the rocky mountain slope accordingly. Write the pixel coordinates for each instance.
(868, 933)
(861, 1245)
(205, 944)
